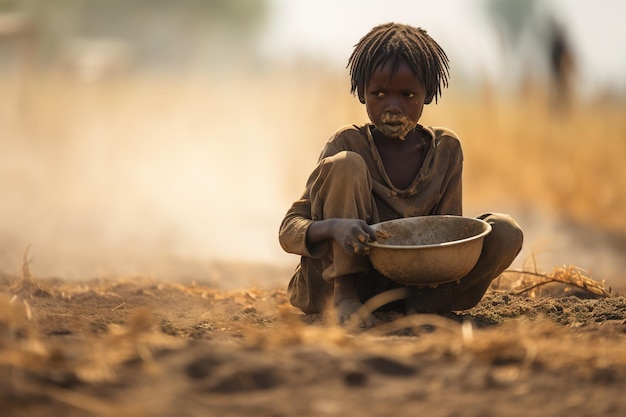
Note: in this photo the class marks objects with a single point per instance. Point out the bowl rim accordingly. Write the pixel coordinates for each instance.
(482, 234)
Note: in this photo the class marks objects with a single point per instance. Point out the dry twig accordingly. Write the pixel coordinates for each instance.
(26, 282)
(568, 275)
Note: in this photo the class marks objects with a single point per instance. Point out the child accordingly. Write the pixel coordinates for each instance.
(389, 169)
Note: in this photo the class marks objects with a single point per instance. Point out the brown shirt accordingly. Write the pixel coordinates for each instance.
(435, 190)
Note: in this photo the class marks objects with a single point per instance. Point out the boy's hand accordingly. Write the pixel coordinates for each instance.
(353, 235)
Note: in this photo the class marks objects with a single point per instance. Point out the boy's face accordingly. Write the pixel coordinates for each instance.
(394, 103)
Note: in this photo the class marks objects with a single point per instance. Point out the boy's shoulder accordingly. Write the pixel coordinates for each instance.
(444, 137)
(440, 132)
(346, 138)
(348, 130)
(349, 134)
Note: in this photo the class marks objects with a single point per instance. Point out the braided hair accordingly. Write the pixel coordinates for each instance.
(397, 43)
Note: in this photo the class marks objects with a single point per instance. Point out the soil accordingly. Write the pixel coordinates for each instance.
(137, 346)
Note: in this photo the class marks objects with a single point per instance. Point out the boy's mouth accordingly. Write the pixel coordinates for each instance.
(395, 126)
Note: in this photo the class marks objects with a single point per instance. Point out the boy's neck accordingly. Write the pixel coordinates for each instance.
(402, 159)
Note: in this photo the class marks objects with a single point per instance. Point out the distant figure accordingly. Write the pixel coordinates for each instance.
(561, 66)
(388, 169)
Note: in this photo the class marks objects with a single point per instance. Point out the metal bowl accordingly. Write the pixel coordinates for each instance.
(427, 250)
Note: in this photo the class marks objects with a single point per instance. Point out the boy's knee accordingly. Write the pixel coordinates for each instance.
(348, 162)
(505, 231)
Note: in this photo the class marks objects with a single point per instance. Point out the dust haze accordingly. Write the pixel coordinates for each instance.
(137, 172)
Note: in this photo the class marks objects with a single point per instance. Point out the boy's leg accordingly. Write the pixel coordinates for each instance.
(500, 248)
(305, 291)
(346, 300)
(341, 187)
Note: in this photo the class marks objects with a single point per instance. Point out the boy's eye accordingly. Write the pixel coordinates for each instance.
(378, 94)
(409, 94)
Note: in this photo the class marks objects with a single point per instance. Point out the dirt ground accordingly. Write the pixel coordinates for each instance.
(141, 347)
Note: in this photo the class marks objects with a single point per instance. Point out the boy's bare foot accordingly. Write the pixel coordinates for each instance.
(347, 310)
(347, 305)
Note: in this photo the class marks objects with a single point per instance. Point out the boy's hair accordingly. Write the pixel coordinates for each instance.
(396, 42)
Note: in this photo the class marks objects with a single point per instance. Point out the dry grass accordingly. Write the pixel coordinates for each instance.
(570, 276)
(105, 347)
(523, 151)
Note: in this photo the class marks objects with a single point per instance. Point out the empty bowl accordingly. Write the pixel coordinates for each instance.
(427, 250)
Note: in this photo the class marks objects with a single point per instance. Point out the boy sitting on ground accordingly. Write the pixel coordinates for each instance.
(390, 168)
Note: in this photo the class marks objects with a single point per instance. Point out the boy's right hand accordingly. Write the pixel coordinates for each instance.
(350, 234)
(353, 235)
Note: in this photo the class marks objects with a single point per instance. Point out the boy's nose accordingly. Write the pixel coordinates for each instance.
(393, 106)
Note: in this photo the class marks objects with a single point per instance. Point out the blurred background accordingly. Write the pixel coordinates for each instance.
(168, 138)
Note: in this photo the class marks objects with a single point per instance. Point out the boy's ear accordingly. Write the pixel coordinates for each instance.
(428, 100)
(361, 98)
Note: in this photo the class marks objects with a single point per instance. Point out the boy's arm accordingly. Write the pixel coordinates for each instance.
(303, 236)
(293, 231)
